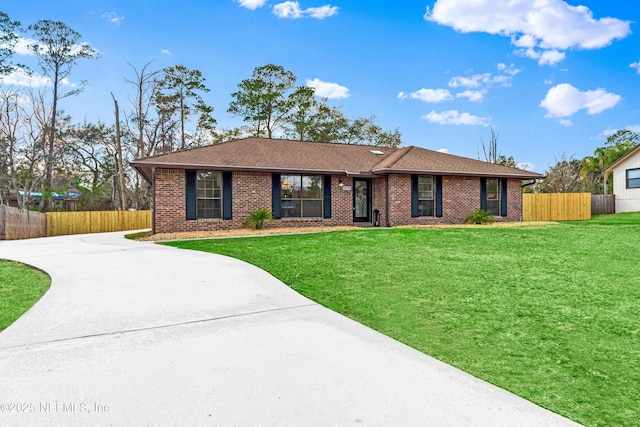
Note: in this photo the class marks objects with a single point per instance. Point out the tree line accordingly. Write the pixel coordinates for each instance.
(568, 174)
(588, 175)
(46, 159)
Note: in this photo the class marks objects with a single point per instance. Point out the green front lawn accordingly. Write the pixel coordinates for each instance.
(21, 286)
(550, 313)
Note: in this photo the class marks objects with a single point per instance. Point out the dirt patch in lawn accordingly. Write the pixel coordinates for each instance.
(246, 232)
(240, 232)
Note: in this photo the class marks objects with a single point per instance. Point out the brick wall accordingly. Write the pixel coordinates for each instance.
(514, 201)
(379, 199)
(252, 191)
(460, 195)
(169, 203)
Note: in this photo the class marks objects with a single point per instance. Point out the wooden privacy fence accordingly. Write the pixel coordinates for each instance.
(603, 204)
(62, 223)
(21, 224)
(556, 206)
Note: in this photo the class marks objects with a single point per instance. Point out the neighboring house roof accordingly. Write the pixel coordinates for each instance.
(281, 155)
(622, 158)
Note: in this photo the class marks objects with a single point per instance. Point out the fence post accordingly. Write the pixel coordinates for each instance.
(2, 222)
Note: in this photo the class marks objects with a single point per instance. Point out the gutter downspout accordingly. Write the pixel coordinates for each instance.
(386, 207)
(153, 200)
(530, 183)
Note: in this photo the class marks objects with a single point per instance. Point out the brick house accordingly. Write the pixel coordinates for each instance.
(313, 184)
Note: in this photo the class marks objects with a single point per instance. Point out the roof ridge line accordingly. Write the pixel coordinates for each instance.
(408, 149)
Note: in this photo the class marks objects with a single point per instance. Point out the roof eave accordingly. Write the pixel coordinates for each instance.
(139, 166)
(532, 175)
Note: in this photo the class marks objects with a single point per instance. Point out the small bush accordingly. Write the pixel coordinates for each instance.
(479, 217)
(257, 218)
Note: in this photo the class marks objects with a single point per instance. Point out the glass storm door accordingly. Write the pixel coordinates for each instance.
(361, 200)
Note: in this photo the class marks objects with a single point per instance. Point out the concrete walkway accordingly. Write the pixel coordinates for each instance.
(135, 333)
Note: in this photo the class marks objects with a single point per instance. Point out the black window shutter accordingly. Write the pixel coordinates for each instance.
(483, 194)
(503, 197)
(275, 195)
(414, 195)
(438, 196)
(227, 195)
(327, 196)
(190, 193)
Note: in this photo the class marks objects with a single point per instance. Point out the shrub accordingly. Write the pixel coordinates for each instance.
(479, 217)
(257, 218)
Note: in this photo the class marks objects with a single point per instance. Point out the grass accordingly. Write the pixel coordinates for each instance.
(138, 235)
(21, 287)
(549, 313)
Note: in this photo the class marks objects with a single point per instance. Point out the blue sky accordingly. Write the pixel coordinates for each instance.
(551, 77)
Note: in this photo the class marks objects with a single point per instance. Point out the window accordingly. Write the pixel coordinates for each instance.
(301, 196)
(633, 178)
(493, 196)
(209, 194)
(426, 205)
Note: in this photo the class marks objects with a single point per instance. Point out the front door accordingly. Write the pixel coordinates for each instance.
(361, 200)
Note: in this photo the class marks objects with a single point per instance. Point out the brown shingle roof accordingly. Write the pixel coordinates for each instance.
(262, 154)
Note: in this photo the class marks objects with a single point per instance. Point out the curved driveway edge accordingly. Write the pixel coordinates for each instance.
(134, 333)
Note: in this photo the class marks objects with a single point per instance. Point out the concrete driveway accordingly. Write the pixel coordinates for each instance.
(135, 333)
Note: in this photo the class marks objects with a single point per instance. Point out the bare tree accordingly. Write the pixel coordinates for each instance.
(122, 199)
(491, 153)
(563, 177)
(57, 50)
(23, 124)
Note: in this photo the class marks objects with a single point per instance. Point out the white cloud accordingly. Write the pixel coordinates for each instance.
(551, 57)
(428, 95)
(251, 4)
(113, 17)
(564, 100)
(635, 66)
(545, 57)
(443, 150)
(292, 10)
(472, 95)
(454, 117)
(526, 166)
(476, 86)
(288, 9)
(22, 46)
(328, 89)
(610, 131)
(166, 51)
(526, 41)
(472, 82)
(322, 12)
(20, 78)
(546, 24)
(565, 122)
(504, 78)
(508, 69)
